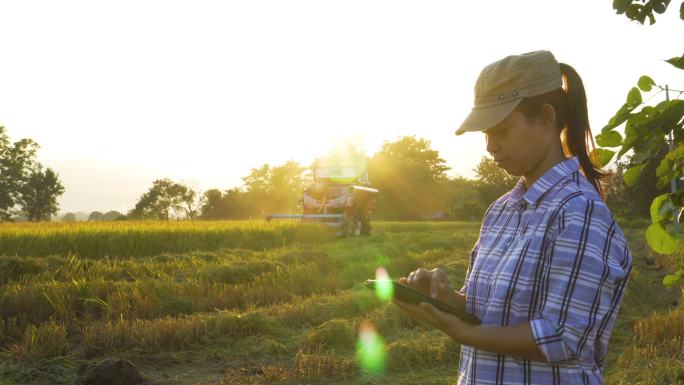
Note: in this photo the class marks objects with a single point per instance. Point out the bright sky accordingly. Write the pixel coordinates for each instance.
(121, 93)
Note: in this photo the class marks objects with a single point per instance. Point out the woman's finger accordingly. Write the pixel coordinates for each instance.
(438, 277)
(434, 282)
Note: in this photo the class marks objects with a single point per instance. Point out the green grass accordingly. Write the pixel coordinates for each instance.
(256, 303)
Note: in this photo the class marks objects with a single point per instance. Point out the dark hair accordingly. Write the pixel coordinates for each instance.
(572, 120)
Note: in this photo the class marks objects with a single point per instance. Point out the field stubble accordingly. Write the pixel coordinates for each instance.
(256, 303)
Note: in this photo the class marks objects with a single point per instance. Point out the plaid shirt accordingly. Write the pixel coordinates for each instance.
(552, 256)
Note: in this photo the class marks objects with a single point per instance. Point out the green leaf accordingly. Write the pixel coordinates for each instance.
(633, 97)
(678, 198)
(659, 6)
(609, 139)
(669, 114)
(645, 83)
(602, 156)
(661, 208)
(672, 279)
(641, 17)
(681, 11)
(632, 175)
(620, 116)
(677, 61)
(633, 137)
(660, 240)
(634, 12)
(621, 5)
(664, 168)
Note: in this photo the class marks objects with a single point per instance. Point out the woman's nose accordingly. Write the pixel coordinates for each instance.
(492, 146)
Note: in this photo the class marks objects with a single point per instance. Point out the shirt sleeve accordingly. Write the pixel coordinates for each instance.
(583, 275)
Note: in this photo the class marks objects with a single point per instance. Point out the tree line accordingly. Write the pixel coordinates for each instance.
(410, 174)
(412, 179)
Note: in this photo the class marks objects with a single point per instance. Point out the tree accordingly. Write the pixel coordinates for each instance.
(272, 189)
(469, 199)
(163, 198)
(465, 203)
(95, 216)
(16, 163)
(411, 178)
(212, 207)
(228, 204)
(69, 217)
(38, 197)
(493, 181)
(111, 215)
(633, 201)
(647, 127)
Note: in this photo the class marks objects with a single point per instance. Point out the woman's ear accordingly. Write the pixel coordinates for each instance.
(548, 115)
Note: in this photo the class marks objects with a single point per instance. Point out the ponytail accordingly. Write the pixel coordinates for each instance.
(578, 139)
(572, 120)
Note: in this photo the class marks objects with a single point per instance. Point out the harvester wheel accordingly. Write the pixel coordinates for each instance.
(356, 227)
(352, 226)
(365, 226)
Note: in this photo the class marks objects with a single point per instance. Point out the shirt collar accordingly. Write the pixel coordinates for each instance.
(550, 178)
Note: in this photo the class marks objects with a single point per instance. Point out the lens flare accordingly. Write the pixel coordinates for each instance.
(383, 287)
(370, 350)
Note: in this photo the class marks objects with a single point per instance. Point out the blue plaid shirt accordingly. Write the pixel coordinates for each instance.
(554, 257)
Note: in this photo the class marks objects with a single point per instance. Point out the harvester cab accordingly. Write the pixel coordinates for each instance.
(339, 197)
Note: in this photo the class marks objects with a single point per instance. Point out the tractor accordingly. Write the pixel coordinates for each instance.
(339, 197)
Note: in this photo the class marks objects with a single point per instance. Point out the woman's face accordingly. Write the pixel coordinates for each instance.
(518, 145)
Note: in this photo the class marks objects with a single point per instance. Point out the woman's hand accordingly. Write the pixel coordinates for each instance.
(436, 284)
(424, 312)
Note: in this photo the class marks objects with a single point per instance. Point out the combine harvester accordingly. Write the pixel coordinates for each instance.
(339, 197)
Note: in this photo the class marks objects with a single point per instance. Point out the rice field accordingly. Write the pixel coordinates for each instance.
(267, 303)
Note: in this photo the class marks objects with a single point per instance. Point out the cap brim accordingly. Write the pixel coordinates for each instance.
(481, 119)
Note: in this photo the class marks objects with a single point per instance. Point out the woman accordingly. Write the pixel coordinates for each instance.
(548, 271)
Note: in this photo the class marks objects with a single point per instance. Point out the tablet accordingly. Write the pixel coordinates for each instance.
(410, 295)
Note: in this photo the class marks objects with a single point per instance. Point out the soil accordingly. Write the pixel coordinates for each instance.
(111, 371)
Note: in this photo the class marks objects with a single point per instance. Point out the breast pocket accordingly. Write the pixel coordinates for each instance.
(515, 280)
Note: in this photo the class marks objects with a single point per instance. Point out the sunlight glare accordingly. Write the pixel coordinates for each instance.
(370, 350)
(383, 287)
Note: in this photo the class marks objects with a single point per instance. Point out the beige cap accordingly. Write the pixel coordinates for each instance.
(502, 85)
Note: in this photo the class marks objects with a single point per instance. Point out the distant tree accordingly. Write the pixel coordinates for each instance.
(212, 206)
(493, 181)
(259, 180)
(634, 201)
(191, 204)
(111, 215)
(38, 198)
(411, 178)
(163, 198)
(16, 165)
(270, 189)
(69, 217)
(229, 204)
(465, 203)
(95, 216)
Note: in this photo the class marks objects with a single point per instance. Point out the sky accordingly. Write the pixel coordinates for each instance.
(119, 94)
